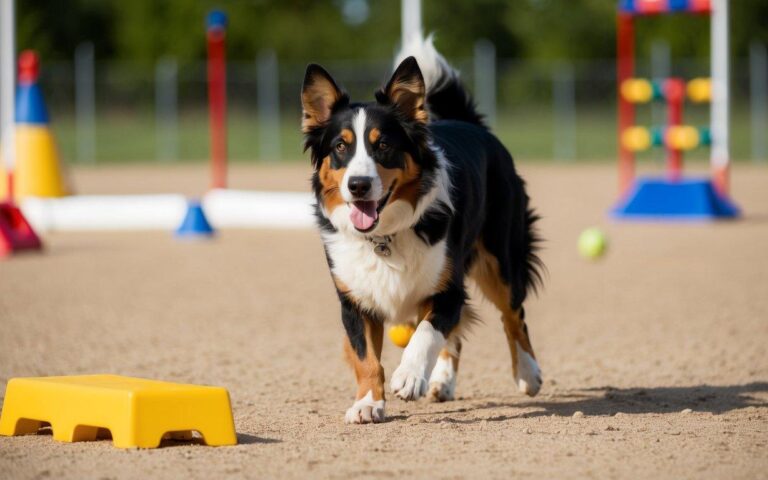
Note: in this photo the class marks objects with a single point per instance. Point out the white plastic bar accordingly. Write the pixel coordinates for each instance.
(223, 208)
(720, 110)
(410, 13)
(7, 82)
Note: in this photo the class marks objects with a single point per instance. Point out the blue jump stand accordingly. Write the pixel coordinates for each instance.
(194, 225)
(662, 199)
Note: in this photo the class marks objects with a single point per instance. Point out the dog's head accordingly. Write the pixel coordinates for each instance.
(372, 164)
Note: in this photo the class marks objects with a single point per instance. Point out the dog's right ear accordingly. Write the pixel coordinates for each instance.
(319, 94)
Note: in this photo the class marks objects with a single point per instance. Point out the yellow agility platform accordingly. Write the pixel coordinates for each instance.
(137, 412)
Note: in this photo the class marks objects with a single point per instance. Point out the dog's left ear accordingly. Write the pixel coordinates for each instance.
(406, 91)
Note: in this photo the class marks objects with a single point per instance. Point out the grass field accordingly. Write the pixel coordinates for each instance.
(655, 358)
(130, 136)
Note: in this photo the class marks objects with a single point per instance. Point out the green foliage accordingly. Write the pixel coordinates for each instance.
(300, 30)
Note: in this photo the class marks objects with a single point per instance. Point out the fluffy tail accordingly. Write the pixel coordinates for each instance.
(447, 97)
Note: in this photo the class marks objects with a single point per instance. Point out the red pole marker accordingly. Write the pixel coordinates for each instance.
(674, 93)
(216, 25)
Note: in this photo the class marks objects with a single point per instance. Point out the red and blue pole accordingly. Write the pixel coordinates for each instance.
(216, 28)
(674, 93)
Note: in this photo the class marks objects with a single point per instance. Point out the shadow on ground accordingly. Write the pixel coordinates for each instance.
(607, 401)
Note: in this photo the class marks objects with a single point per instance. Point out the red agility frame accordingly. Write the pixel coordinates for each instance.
(625, 69)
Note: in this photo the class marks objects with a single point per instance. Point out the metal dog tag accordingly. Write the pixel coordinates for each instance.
(382, 250)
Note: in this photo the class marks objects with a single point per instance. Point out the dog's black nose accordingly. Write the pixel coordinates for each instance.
(359, 186)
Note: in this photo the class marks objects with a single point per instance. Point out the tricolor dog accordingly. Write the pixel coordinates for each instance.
(414, 197)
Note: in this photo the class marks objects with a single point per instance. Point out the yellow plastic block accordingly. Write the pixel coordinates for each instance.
(137, 412)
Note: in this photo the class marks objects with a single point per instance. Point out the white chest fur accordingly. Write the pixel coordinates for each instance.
(393, 286)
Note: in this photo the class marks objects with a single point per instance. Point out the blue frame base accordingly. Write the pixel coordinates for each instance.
(672, 200)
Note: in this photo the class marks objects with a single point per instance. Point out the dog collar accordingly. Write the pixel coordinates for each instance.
(381, 244)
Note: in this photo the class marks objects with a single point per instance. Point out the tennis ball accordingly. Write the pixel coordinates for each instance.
(400, 335)
(592, 243)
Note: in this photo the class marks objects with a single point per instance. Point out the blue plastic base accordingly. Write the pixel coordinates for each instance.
(686, 199)
(194, 225)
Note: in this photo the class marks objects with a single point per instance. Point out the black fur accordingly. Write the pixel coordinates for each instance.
(490, 204)
(354, 325)
(451, 101)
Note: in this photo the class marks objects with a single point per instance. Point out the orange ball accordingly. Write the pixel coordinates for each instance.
(401, 334)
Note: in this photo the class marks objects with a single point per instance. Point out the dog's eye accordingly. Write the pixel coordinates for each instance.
(383, 146)
(341, 147)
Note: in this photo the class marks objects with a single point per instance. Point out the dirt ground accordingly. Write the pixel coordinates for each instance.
(655, 358)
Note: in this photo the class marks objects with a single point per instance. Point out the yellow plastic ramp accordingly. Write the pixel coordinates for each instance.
(137, 412)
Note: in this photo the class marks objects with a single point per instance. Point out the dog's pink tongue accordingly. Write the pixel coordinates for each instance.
(363, 214)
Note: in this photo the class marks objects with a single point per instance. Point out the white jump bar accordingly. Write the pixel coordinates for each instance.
(223, 208)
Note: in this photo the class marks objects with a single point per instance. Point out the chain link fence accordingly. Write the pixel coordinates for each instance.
(543, 111)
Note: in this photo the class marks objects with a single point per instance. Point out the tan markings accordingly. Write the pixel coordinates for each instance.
(330, 179)
(374, 135)
(446, 275)
(368, 372)
(485, 272)
(452, 353)
(409, 95)
(340, 286)
(348, 136)
(408, 181)
(317, 100)
(425, 310)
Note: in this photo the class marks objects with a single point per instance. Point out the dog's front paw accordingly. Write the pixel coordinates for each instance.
(408, 382)
(366, 410)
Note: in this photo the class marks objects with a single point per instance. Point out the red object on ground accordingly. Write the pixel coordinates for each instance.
(674, 93)
(15, 232)
(217, 103)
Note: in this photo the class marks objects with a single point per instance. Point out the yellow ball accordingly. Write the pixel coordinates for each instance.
(683, 137)
(592, 243)
(401, 334)
(700, 90)
(637, 90)
(636, 139)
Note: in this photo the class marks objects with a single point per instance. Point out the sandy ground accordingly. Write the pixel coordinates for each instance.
(675, 317)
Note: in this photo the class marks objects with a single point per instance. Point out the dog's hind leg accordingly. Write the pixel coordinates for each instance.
(486, 273)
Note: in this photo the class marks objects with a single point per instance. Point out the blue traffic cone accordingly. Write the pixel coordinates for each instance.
(194, 225)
